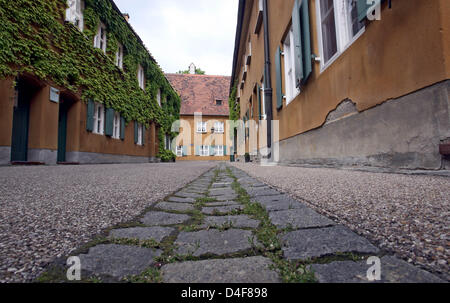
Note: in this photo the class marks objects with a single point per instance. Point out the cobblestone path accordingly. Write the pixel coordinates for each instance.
(229, 227)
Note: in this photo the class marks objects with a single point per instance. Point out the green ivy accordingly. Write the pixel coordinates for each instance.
(233, 106)
(34, 39)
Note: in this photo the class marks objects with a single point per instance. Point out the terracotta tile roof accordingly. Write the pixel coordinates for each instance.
(200, 92)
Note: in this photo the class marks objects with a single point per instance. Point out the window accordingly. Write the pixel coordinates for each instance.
(168, 142)
(116, 126)
(201, 127)
(141, 77)
(100, 38)
(289, 67)
(158, 97)
(119, 56)
(204, 150)
(218, 127)
(99, 119)
(219, 150)
(259, 19)
(218, 102)
(339, 27)
(74, 13)
(180, 151)
(140, 134)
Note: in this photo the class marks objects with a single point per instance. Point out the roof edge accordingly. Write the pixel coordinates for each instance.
(237, 42)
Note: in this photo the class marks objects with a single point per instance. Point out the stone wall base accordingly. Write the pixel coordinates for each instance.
(404, 133)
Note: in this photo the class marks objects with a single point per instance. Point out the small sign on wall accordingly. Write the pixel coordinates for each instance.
(54, 95)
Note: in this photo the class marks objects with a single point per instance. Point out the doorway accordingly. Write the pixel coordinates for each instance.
(23, 94)
(64, 107)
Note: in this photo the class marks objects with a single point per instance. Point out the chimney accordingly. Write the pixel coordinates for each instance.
(127, 17)
(192, 69)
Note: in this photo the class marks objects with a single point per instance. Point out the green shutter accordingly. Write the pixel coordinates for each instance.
(197, 150)
(298, 57)
(122, 128)
(109, 123)
(211, 150)
(306, 41)
(185, 150)
(279, 79)
(258, 94)
(224, 150)
(90, 116)
(143, 134)
(136, 139)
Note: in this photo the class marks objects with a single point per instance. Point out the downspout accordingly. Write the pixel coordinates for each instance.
(267, 80)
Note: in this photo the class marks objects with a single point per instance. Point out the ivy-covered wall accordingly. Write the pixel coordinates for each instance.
(35, 39)
(233, 106)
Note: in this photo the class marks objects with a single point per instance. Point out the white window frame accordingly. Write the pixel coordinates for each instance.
(179, 151)
(99, 119)
(219, 151)
(116, 126)
(140, 134)
(158, 97)
(101, 40)
(292, 91)
(74, 13)
(204, 150)
(168, 142)
(343, 26)
(201, 127)
(141, 77)
(119, 56)
(219, 127)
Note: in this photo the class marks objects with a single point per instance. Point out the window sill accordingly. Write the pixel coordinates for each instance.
(292, 99)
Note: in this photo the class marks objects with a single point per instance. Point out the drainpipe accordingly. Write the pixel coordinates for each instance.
(267, 80)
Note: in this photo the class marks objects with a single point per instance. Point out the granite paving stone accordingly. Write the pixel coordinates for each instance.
(175, 206)
(222, 192)
(214, 242)
(156, 233)
(280, 202)
(221, 203)
(155, 218)
(118, 261)
(237, 270)
(229, 197)
(311, 243)
(299, 218)
(393, 270)
(217, 210)
(185, 194)
(221, 185)
(238, 221)
(262, 191)
(181, 200)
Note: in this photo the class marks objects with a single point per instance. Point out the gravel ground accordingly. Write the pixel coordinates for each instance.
(47, 212)
(404, 214)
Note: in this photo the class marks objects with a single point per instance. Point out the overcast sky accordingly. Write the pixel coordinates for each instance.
(178, 32)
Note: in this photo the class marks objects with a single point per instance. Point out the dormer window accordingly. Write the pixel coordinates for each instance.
(119, 56)
(74, 13)
(100, 38)
(218, 102)
(141, 77)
